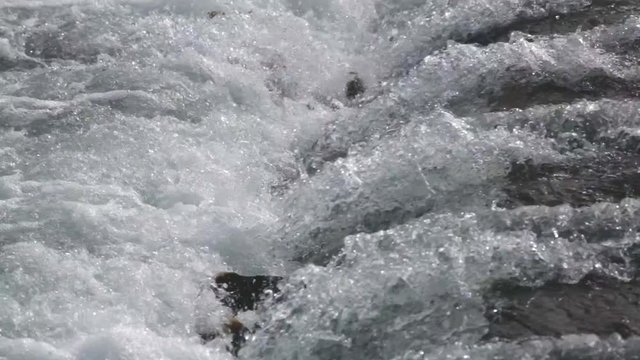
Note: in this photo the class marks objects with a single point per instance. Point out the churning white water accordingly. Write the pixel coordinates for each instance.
(146, 145)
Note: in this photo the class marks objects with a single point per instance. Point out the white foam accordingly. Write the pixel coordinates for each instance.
(143, 149)
(139, 146)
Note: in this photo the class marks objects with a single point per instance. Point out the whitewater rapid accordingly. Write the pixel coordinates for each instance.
(145, 146)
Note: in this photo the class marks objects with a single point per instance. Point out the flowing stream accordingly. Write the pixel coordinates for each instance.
(147, 144)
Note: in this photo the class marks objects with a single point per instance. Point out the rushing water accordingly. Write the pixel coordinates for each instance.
(145, 146)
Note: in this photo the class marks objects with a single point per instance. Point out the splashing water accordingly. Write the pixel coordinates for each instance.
(146, 145)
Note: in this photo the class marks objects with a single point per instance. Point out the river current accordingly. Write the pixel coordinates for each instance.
(146, 145)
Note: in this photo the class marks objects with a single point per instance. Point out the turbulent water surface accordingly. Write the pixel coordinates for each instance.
(146, 145)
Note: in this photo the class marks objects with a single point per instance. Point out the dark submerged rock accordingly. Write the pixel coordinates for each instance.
(240, 293)
(354, 87)
(238, 333)
(596, 305)
(610, 177)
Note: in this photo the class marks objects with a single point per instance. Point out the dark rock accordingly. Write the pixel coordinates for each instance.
(596, 305)
(610, 177)
(242, 293)
(215, 13)
(354, 87)
(238, 333)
